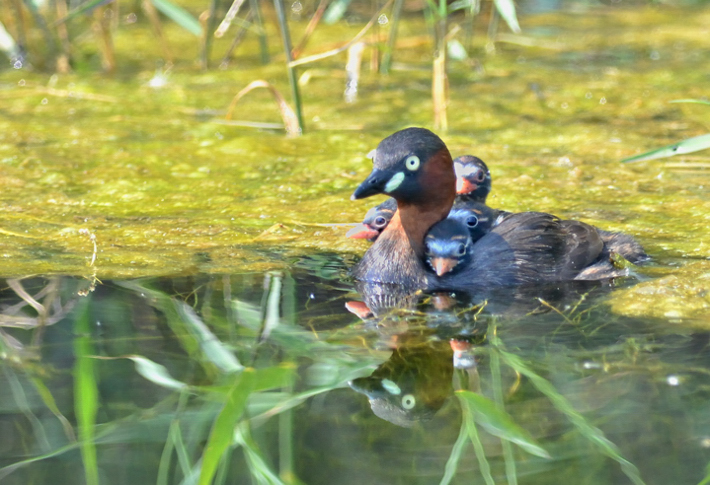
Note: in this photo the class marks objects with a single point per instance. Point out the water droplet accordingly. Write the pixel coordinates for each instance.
(673, 380)
(382, 19)
(297, 7)
(602, 101)
(21, 82)
(45, 101)
(654, 55)
(17, 64)
(131, 18)
(588, 95)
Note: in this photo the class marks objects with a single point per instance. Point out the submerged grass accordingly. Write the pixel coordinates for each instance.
(86, 398)
(591, 433)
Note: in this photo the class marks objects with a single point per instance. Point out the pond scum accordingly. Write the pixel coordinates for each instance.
(218, 145)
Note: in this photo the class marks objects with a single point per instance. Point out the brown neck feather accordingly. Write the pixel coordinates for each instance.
(416, 221)
(397, 255)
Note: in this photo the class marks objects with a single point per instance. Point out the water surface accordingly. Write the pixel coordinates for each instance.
(220, 256)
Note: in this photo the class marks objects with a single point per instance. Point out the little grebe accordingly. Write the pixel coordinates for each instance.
(448, 243)
(448, 246)
(415, 167)
(473, 179)
(375, 221)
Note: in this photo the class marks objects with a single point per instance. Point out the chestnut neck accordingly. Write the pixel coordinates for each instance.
(417, 219)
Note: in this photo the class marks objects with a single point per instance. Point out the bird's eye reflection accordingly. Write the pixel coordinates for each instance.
(380, 221)
(472, 221)
(461, 249)
(408, 401)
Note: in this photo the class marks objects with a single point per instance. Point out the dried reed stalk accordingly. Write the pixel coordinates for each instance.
(154, 18)
(102, 30)
(287, 114)
(312, 24)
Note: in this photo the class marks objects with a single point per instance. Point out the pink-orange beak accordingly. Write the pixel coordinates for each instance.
(459, 345)
(463, 186)
(443, 265)
(362, 231)
(358, 308)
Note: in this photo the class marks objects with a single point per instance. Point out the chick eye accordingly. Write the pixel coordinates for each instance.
(461, 250)
(412, 162)
(380, 221)
(428, 250)
(480, 176)
(408, 401)
(472, 221)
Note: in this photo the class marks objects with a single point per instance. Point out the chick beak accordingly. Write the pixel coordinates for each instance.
(362, 231)
(463, 186)
(443, 265)
(359, 309)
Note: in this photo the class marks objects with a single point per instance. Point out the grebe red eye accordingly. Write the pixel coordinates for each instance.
(461, 250)
(380, 221)
(472, 221)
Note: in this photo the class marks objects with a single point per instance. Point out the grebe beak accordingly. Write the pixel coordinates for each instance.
(374, 184)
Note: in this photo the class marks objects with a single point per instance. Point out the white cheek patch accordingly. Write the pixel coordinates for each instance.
(391, 387)
(394, 182)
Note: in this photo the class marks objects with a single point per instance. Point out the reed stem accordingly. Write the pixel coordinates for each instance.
(439, 79)
(241, 33)
(207, 35)
(292, 78)
(392, 40)
(263, 44)
(154, 18)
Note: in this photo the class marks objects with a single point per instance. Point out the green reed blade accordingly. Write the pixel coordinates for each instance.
(695, 101)
(336, 11)
(222, 432)
(51, 404)
(681, 148)
(392, 39)
(483, 464)
(82, 9)
(456, 452)
(263, 44)
(499, 423)
(85, 391)
(506, 8)
(592, 433)
(292, 78)
(497, 384)
(179, 15)
(156, 373)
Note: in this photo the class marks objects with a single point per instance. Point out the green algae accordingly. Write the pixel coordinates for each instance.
(167, 188)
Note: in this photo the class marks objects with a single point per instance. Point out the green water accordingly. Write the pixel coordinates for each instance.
(247, 227)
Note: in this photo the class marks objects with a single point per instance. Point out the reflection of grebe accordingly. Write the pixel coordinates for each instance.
(413, 384)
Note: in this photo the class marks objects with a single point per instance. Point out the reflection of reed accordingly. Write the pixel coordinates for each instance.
(49, 310)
